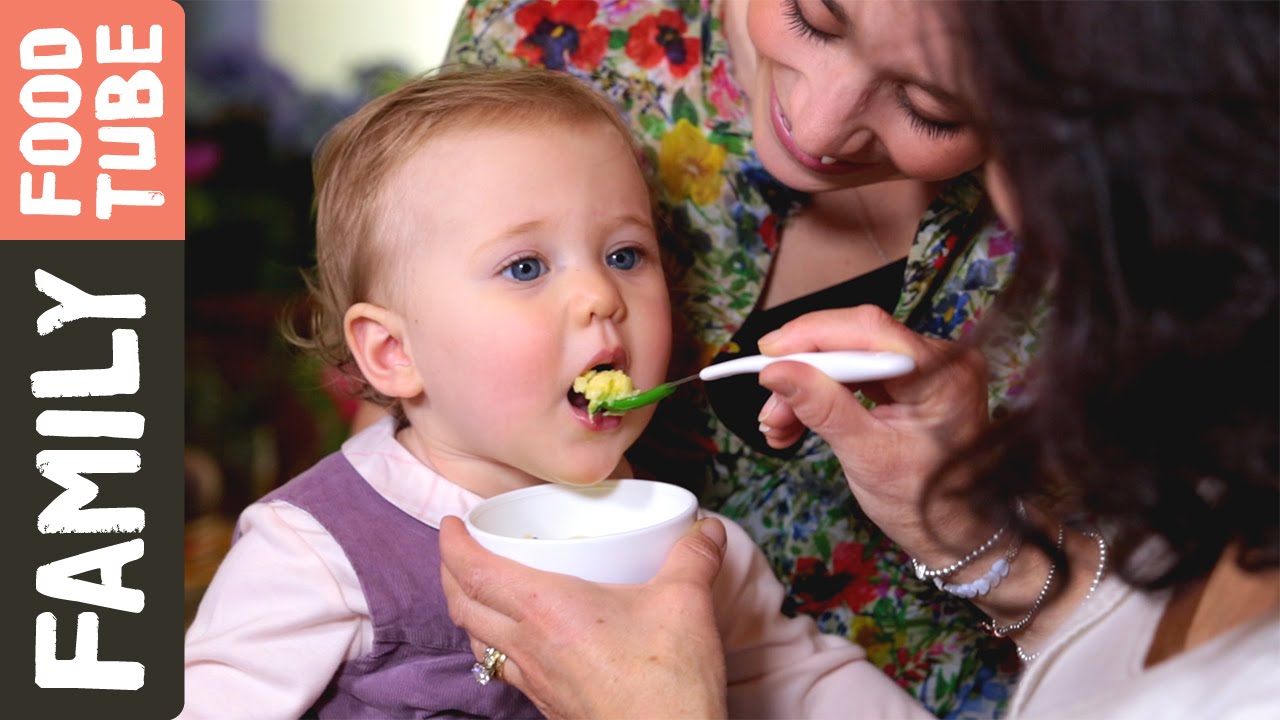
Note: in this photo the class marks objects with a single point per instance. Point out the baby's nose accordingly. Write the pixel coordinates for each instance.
(596, 296)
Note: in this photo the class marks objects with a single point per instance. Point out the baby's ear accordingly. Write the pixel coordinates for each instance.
(375, 336)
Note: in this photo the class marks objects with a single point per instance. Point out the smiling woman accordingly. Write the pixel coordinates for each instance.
(808, 155)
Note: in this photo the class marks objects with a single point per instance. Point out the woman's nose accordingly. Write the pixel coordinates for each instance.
(830, 120)
(597, 296)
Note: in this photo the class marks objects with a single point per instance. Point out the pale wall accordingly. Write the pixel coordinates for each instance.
(319, 41)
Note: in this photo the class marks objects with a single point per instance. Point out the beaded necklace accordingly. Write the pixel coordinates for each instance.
(1097, 578)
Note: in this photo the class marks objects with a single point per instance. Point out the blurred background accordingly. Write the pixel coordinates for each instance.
(265, 81)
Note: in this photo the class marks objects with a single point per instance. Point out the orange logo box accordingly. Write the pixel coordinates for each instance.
(94, 120)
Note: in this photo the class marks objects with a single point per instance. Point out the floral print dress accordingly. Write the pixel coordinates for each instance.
(667, 67)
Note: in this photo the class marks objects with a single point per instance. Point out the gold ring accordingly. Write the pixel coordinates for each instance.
(490, 666)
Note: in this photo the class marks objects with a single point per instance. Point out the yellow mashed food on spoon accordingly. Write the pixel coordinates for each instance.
(601, 386)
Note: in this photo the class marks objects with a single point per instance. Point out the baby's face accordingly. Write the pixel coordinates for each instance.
(531, 258)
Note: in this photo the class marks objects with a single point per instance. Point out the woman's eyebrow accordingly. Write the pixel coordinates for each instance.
(939, 93)
(836, 11)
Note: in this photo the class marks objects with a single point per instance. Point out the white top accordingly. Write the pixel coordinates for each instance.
(1093, 668)
(285, 610)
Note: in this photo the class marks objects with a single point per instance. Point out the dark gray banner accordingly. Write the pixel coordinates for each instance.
(91, 403)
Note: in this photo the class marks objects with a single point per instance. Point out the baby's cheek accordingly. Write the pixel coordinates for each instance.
(515, 359)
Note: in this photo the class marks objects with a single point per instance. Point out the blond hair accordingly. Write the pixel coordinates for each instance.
(354, 161)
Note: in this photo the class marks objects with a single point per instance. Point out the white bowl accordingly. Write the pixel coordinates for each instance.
(618, 531)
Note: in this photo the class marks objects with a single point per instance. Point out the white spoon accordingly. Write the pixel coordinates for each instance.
(840, 365)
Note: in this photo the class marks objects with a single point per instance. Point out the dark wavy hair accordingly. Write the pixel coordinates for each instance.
(1140, 141)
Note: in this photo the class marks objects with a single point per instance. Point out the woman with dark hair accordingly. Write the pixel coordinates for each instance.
(1136, 152)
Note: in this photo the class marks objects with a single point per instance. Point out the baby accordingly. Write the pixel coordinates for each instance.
(484, 238)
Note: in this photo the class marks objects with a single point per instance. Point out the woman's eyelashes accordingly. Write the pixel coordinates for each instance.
(801, 25)
(933, 129)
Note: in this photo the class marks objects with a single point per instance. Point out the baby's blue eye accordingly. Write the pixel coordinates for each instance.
(525, 269)
(624, 259)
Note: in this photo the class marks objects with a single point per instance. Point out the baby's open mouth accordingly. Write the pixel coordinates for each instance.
(599, 385)
(576, 398)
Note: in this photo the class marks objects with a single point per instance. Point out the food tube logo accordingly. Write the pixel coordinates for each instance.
(98, 124)
(51, 95)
